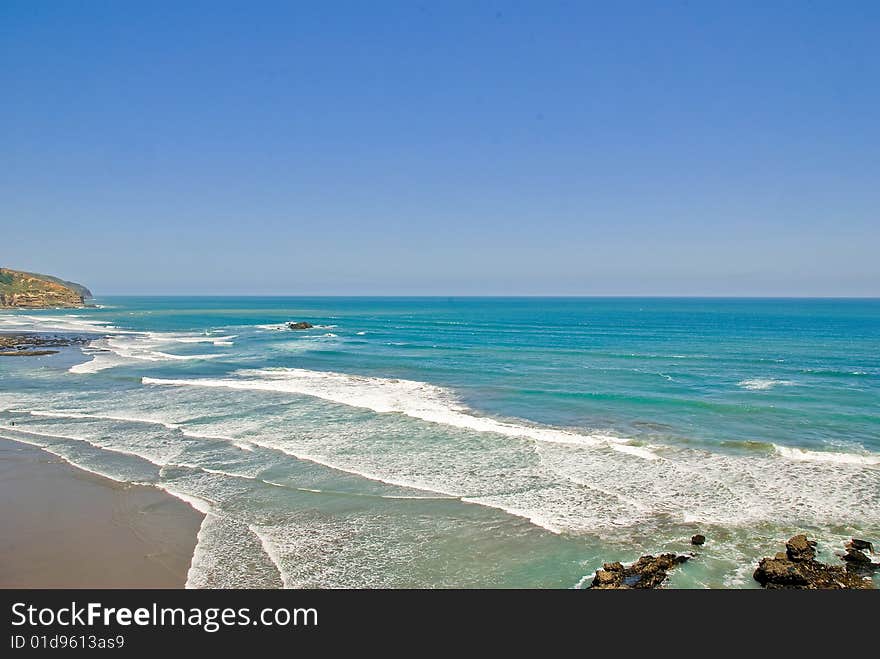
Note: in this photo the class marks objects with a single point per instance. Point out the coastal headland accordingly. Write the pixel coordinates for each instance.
(28, 290)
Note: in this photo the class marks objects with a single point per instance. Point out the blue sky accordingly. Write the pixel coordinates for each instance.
(577, 148)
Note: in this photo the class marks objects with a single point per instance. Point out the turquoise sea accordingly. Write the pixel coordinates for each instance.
(474, 442)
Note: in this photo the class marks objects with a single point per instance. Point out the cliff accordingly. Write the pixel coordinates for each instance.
(29, 290)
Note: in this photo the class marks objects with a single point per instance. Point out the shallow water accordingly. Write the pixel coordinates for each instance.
(470, 442)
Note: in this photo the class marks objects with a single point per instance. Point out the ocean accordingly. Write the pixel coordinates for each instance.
(470, 442)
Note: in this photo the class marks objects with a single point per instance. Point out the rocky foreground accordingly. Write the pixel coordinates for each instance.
(795, 568)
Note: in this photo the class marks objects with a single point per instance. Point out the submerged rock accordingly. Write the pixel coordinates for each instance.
(798, 568)
(698, 539)
(646, 573)
(302, 325)
(860, 545)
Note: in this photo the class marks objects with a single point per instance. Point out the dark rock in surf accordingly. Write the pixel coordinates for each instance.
(698, 540)
(860, 545)
(28, 353)
(302, 325)
(855, 557)
(798, 568)
(780, 573)
(857, 562)
(648, 572)
(799, 548)
(28, 344)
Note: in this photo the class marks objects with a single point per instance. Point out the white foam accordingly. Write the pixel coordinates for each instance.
(67, 323)
(270, 551)
(563, 480)
(584, 580)
(117, 346)
(758, 384)
(53, 414)
(133, 347)
(132, 451)
(826, 456)
(177, 337)
(244, 446)
(194, 573)
(639, 451)
(196, 503)
(99, 361)
(229, 555)
(419, 400)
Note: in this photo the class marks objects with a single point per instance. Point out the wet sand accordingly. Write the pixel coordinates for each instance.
(66, 528)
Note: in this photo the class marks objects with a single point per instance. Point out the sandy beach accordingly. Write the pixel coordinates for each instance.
(67, 528)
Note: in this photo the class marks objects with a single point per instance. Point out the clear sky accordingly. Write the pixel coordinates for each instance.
(575, 148)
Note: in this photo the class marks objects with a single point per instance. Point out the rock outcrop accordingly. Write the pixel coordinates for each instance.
(797, 568)
(302, 325)
(32, 291)
(856, 560)
(698, 539)
(35, 345)
(646, 573)
(800, 548)
(860, 545)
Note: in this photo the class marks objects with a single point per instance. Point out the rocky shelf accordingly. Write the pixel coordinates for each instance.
(36, 345)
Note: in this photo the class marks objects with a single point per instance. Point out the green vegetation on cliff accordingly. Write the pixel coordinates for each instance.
(79, 288)
(34, 291)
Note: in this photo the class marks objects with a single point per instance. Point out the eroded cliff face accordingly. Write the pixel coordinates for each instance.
(26, 291)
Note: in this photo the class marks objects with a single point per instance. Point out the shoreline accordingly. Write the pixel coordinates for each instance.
(65, 527)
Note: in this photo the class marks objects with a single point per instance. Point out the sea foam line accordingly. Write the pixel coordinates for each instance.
(85, 440)
(415, 399)
(222, 472)
(271, 553)
(760, 384)
(826, 456)
(196, 503)
(199, 553)
(107, 417)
